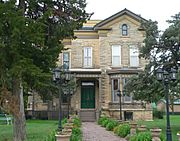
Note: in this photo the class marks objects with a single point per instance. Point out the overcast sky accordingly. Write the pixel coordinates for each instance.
(157, 10)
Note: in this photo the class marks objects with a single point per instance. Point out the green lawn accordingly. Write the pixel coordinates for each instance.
(37, 130)
(161, 123)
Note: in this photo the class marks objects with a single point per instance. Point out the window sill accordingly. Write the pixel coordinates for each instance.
(124, 36)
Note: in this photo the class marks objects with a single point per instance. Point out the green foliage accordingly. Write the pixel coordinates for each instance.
(105, 122)
(51, 136)
(161, 123)
(162, 50)
(111, 125)
(30, 42)
(145, 87)
(122, 130)
(142, 136)
(76, 134)
(101, 119)
(162, 137)
(158, 114)
(30, 39)
(76, 122)
(76, 131)
(64, 121)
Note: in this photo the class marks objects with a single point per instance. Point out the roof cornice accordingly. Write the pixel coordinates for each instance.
(123, 12)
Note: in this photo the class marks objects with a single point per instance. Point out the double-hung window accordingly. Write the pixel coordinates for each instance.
(87, 56)
(66, 60)
(127, 98)
(115, 87)
(116, 55)
(134, 57)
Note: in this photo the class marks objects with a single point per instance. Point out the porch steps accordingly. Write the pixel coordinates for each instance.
(87, 115)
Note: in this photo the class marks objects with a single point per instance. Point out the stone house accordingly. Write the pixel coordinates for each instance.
(102, 58)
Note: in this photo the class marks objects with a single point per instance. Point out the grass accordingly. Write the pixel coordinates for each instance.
(37, 130)
(161, 123)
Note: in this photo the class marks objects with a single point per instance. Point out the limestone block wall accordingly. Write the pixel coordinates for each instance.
(114, 37)
(76, 50)
(138, 114)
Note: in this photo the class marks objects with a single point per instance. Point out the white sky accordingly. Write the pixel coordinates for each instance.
(157, 10)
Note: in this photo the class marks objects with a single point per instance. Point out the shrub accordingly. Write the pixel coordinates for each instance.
(111, 124)
(101, 119)
(105, 122)
(158, 114)
(142, 136)
(76, 134)
(122, 130)
(76, 131)
(76, 122)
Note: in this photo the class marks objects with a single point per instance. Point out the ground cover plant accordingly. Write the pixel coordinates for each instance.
(161, 123)
(37, 130)
(120, 129)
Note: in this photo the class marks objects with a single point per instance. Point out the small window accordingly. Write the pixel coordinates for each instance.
(124, 30)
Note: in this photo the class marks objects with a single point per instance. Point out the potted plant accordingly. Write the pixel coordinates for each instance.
(63, 136)
(155, 132)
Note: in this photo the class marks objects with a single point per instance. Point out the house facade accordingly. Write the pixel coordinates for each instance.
(102, 58)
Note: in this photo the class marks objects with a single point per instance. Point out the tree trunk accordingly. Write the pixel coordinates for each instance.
(19, 126)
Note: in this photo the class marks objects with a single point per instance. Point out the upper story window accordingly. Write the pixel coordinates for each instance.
(134, 57)
(116, 55)
(87, 56)
(124, 30)
(66, 60)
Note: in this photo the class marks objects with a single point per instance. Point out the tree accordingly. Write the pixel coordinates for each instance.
(31, 34)
(162, 50)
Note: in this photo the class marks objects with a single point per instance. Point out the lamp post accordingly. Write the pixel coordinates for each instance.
(165, 76)
(120, 112)
(59, 78)
(68, 92)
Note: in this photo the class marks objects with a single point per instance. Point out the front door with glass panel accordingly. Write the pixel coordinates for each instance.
(87, 95)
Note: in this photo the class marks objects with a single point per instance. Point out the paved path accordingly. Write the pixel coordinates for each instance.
(94, 132)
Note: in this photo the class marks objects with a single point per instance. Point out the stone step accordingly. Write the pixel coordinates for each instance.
(87, 115)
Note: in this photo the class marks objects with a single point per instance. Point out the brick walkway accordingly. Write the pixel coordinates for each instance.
(93, 132)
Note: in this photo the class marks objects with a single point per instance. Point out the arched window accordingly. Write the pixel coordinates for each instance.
(124, 30)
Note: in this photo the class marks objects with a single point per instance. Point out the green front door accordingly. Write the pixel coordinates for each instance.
(87, 97)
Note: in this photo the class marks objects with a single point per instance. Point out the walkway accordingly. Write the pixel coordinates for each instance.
(94, 132)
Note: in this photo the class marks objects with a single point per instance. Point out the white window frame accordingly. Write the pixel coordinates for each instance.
(68, 61)
(134, 56)
(115, 98)
(126, 98)
(116, 53)
(87, 57)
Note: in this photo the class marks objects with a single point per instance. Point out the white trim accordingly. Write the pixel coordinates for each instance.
(88, 56)
(134, 56)
(118, 54)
